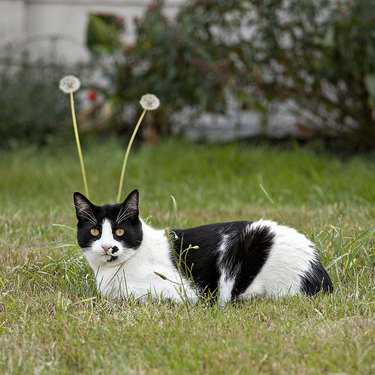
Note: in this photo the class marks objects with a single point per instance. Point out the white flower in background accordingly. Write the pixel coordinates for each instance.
(149, 102)
(69, 84)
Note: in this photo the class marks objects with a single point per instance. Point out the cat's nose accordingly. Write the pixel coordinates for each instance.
(106, 247)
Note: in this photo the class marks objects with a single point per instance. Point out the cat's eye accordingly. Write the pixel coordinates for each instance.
(94, 232)
(119, 232)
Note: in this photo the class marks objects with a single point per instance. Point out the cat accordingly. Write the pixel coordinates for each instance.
(232, 260)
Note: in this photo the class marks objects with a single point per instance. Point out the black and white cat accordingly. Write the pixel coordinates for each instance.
(236, 260)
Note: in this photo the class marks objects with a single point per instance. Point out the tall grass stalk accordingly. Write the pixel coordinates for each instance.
(79, 149)
(127, 154)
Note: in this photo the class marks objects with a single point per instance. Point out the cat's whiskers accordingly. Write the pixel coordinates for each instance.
(91, 219)
(122, 213)
(123, 216)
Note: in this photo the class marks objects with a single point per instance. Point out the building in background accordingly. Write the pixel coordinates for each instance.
(39, 25)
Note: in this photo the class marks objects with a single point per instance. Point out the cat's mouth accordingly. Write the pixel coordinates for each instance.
(110, 256)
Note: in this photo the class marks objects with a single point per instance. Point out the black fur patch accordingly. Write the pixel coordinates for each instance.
(246, 256)
(316, 279)
(202, 264)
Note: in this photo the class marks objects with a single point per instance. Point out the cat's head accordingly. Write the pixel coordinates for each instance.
(109, 234)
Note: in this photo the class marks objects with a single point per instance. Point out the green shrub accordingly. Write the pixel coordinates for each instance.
(33, 109)
(318, 54)
(171, 61)
(321, 54)
(103, 32)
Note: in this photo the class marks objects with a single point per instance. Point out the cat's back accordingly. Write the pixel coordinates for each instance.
(207, 237)
(249, 258)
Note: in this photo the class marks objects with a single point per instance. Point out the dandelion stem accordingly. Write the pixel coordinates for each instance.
(79, 145)
(127, 153)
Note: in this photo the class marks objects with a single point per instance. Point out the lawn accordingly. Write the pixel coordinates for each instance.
(53, 321)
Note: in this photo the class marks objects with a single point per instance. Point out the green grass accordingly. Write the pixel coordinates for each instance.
(53, 321)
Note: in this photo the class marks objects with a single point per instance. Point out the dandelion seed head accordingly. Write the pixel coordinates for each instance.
(150, 102)
(69, 84)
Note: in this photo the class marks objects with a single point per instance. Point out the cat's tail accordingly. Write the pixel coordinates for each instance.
(316, 279)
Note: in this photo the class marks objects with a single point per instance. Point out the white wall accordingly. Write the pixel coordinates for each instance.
(12, 25)
(39, 25)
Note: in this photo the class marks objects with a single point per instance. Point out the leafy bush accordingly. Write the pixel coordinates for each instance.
(33, 109)
(319, 55)
(168, 60)
(103, 32)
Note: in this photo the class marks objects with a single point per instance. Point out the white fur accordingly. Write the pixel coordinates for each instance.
(226, 283)
(133, 273)
(288, 260)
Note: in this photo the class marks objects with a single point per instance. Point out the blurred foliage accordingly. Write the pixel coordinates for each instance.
(318, 54)
(171, 60)
(103, 32)
(321, 54)
(33, 109)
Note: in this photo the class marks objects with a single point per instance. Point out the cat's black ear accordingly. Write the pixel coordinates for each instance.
(84, 208)
(130, 207)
